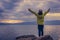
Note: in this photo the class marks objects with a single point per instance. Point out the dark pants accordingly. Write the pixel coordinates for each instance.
(40, 30)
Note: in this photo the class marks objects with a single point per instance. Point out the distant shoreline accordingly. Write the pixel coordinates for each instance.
(54, 22)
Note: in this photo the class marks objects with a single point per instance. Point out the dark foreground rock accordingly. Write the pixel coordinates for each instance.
(33, 37)
(26, 37)
(46, 37)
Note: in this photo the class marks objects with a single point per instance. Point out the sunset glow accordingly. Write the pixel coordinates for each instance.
(53, 14)
(11, 21)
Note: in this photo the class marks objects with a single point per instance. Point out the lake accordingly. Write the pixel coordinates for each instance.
(10, 32)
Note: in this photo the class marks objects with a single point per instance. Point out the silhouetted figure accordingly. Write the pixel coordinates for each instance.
(40, 20)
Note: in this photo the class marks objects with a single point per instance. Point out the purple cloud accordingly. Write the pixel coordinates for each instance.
(55, 7)
(17, 9)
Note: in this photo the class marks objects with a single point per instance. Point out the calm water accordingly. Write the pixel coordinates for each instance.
(10, 32)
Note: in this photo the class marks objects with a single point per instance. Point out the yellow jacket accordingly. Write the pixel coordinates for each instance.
(40, 18)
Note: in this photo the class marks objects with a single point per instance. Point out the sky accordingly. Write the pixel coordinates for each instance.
(18, 9)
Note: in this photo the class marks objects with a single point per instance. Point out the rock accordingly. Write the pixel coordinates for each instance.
(46, 37)
(26, 37)
(32, 37)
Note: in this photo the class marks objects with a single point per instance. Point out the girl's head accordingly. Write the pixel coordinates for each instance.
(40, 12)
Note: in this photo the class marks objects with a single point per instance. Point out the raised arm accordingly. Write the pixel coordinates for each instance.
(46, 11)
(32, 12)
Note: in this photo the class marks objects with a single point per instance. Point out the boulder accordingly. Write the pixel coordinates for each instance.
(46, 37)
(33, 37)
(26, 37)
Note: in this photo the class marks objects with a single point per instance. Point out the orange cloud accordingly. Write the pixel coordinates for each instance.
(11, 21)
(53, 14)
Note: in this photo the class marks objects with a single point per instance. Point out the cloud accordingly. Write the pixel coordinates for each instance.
(17, 9)
(7, 7)
(1, 10)
(21, 9)
(29, 4)
(54, 5)
(52, 16)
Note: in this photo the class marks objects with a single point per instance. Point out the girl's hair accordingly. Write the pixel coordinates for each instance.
(40, 12)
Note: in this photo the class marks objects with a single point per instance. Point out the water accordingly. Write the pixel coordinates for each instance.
(53, 30)
(10, 32)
